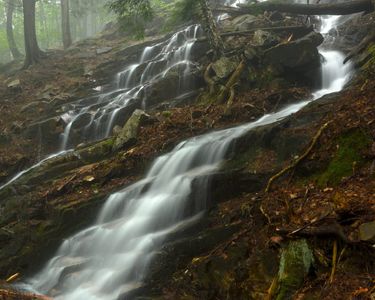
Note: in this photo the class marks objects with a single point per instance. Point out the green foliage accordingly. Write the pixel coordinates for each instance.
(133, 14)
(184, 11)
(349, 151)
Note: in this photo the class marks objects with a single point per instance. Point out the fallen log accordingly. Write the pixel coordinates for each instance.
(11, 294)
(345, 8)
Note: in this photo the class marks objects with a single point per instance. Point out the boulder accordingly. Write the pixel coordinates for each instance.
(265, 39)
(36, 107)
(14, 84)
(129, 132)
(299, 53)
(224, 66)
(295, 263)
(103, 50)
(367, 231)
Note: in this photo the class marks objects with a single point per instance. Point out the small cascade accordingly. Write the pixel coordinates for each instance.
(112, 257)
(95, 117)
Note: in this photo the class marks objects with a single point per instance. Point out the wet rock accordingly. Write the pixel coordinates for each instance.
(103, 50)
(265, 39)
(367, 231)
(224, 66)
(96, 151)
(36, 107)
(299, 53)
(129, 132)
(14, 84)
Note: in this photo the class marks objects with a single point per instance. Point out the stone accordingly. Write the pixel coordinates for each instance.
(295, 263)
(263, 38)
(116, 130)
(299, 53)
(128, 134)
(36, 107)
(103, 50)
(14, 84)
(367, 231)
(224, 67)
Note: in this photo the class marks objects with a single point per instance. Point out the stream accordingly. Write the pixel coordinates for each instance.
(113, 255)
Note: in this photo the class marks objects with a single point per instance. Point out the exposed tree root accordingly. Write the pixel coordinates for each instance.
(232, 81)
(331, 230)
(210, 82)
(298, 160)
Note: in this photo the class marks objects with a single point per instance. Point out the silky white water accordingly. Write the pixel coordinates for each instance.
(114, 253)
(95, 117)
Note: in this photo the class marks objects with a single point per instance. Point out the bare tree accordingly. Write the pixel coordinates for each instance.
(65, 24)
(209, 24)
(9, 26)
(32, 50)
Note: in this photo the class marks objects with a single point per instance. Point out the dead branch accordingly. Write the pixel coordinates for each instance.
(232, 81)
(298, 160)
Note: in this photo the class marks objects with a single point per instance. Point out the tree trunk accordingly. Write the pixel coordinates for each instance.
(65, 24)
(210, 27)
(345, 8)
(32, 50)
(10, 36)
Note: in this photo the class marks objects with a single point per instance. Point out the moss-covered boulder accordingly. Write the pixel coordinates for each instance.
(295, 264)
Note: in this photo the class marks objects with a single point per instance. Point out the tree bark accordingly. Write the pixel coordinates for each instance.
(10, 36)
(210, 27)
(32, 50)
(65, 24)
(345, 8)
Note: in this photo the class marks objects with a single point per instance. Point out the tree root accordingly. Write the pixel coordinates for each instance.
(331, 230)
(298, 160)
(232, 81)
(210, 82)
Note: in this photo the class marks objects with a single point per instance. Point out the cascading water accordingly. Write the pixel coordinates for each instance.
(98, 115)
(115, 252)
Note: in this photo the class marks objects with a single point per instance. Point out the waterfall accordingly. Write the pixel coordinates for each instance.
(111, 257)
(132, 83)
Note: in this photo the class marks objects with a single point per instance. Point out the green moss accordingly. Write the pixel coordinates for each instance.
(370, 65)
(295, 263)
(348, 153)
(166, 114)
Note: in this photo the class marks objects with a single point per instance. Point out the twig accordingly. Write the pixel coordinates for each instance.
(334, 261)
(298, 160)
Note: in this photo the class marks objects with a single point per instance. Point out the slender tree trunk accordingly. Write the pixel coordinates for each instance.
(10, 36)
(65, 24)
(32, 50)
(44, 24)
(210, 27)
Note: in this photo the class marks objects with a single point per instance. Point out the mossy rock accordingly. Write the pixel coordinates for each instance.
(349, 153)
(295, 264)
